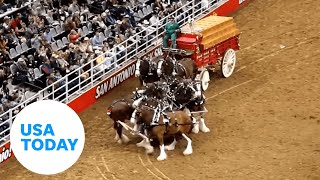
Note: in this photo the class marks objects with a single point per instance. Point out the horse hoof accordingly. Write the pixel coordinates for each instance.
(149, 150)
(142, 143)
(187, 152)
(125, 139)
(195, 129)
(116, 137)
(169, 148)
(205, 130)
(161, 158)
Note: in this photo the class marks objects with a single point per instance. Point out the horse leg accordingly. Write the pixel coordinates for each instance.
(163, 154)
(171, 146)
(203, 126)
(146, 144)
(196, 125)
(188, 150)
(123, 138)
(115, 126)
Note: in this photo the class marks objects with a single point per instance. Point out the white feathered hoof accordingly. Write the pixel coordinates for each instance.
(188, 151)
(143, 143)
(162, 157)
(149, 149)
(124, 139)
(116, 137)
(171, 146)
(195, 129)
(203, 126)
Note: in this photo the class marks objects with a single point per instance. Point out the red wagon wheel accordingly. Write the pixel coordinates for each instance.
(228, 63)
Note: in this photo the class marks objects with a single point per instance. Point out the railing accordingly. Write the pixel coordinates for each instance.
(70, 88)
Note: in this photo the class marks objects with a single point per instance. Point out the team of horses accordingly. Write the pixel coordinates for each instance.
(170, 103)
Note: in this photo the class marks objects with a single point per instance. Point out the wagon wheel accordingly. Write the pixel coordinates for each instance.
(204, 77)
(228, 63)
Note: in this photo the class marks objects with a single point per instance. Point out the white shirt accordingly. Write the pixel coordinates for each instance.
(154, 20)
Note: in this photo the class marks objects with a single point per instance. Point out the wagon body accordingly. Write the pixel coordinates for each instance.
(211, 41)
(210, 56)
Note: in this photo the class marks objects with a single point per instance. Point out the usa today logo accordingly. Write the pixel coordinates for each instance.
(47, 137)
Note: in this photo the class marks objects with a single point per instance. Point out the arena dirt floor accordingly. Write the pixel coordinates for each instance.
(264, 120)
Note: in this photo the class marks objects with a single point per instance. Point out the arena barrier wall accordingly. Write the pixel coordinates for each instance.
(103, 81)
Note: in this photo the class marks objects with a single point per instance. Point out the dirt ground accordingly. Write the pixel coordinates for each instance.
(264, 120)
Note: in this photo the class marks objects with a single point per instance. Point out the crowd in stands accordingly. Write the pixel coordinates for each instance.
(46, 40)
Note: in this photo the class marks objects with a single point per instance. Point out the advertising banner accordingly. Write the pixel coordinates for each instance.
(5, 153)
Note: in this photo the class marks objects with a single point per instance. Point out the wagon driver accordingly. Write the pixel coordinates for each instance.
(171, 30)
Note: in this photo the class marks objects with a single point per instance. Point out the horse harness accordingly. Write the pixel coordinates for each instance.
(166, 119)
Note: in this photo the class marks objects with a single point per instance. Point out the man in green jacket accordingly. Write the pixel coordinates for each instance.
(171, 30)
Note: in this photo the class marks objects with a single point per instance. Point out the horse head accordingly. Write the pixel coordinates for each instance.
(166, 66)
(195, 86)
(142, 67)
(187, 90)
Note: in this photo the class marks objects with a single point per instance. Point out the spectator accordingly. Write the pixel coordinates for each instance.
(46, 68)
(12, 38)
(154, 20)
(69, 25)
(85, 46)
(6, 23)
(3, 46)
(159, 4)
(73, 36)
(76, 19)
(109, 19)
(48, 36)
(74, 7)
(15, 23)
(97, 41)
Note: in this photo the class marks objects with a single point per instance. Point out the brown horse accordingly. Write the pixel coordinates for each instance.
(178, 123)
(120, 110)
(185, 68)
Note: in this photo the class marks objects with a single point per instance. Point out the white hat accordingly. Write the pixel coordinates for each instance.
(107, 10)
(119, 22)
(103, 14)
(86, 39)
(6, 17)
(20, 60)
(146, 22)
(127, 16)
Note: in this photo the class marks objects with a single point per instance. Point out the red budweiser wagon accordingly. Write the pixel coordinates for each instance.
(212, 43)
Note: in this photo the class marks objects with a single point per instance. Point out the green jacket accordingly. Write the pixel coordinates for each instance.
(171, 28)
